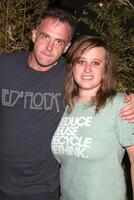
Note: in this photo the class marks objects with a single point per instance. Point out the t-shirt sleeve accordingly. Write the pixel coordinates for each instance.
(124, 129)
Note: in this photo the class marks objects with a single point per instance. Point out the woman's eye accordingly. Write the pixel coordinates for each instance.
(95, 63)
(80, 62)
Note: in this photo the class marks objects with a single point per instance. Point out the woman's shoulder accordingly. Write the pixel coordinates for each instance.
(118, 100)
(119, 97)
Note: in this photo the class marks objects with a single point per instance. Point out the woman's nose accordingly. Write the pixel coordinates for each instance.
(87, 68)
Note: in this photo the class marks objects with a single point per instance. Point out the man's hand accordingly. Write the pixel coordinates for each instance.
(127, 113)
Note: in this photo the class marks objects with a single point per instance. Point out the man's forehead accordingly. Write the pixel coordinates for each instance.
(55, 28)
(54, 21)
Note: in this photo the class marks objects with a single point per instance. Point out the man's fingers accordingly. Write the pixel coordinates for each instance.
(127, 112)
(129, 98)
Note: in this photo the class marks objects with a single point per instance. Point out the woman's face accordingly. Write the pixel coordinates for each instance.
(89, 70)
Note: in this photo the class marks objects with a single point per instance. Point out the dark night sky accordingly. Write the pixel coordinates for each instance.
(72, 4)
(77, 5)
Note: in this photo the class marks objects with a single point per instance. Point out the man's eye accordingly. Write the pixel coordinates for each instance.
(44, 37)
(59, 42)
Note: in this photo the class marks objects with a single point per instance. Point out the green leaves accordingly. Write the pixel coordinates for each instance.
(16, 20)
(115, 23)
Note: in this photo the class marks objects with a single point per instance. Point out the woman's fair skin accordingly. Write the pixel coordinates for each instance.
(88, 73)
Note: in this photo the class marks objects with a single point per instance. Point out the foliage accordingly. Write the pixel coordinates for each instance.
(114, 22)
(17, 18)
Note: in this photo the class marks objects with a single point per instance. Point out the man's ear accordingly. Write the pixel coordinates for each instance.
(67, 47)
(34, 35)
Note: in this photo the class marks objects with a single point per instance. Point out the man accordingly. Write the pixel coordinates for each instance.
(31, 89)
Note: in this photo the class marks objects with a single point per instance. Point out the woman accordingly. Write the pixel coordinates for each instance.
(90, 139)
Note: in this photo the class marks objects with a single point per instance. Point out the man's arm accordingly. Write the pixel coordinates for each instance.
(127, 113)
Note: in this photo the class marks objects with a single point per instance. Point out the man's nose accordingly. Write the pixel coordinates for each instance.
(50, 45)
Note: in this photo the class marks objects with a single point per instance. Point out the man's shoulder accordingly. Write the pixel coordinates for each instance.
(7, 57)
(63, 61)
(62, 64)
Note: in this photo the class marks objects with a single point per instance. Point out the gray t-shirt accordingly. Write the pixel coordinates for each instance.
(31, 106)
(90, 148)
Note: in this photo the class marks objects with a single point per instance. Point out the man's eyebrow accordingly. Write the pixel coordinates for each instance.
(62, 40)
(42, 33)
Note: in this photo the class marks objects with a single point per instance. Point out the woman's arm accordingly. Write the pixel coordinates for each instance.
(127, 113)
(130, 151)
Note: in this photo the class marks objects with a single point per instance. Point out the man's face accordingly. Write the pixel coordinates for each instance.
(51, 39)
